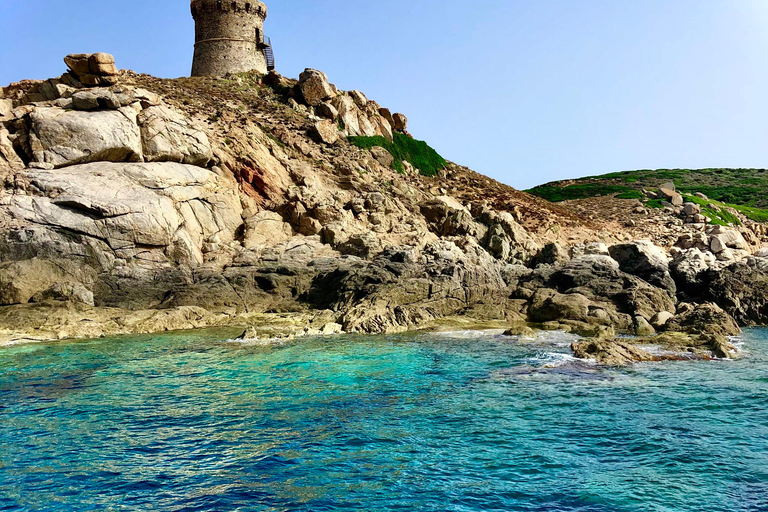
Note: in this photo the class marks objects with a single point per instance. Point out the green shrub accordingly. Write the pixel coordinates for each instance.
(404, 148)
(556, 194)
(655, 203)
(632, 194)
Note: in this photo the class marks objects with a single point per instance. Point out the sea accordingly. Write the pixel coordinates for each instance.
(461, 421)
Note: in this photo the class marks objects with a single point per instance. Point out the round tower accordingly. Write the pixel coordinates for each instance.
(229, 37)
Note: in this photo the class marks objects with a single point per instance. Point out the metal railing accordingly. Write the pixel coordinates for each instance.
(269, 55)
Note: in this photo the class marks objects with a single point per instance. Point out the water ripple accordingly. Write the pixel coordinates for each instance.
(459, 422)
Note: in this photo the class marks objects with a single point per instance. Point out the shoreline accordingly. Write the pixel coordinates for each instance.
(93, 323)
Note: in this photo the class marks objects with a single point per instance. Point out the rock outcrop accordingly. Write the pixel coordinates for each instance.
(148, 204)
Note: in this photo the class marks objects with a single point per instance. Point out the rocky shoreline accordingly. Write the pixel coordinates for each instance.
(140, 205)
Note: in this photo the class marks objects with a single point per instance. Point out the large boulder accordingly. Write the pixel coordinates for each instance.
(705, 318)
(326, 131)
(134, 206)
(349, 114)
(600, 279)
(549, 305)
(168, 136)
(687, 265)
(722, 238)
(93, 69)
(315, 87)
(643, 259)
(669, 194)
(60, 138)
(401, 122)
(740, 289)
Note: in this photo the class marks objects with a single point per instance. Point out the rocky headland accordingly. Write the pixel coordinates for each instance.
(137, 204)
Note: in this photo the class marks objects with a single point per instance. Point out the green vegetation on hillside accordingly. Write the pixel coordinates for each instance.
(556, 194)
(743, 190)
(404, 148)
(748, 187)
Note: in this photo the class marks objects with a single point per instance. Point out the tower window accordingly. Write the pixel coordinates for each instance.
(247, 7)
(218, 5)
(234, 6)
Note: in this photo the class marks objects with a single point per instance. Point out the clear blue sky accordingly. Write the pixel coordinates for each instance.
(525, 91)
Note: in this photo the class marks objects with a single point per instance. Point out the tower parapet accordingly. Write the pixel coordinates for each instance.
(229, 37)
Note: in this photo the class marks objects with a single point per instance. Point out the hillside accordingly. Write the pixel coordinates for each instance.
(742, 190)
(287, 206)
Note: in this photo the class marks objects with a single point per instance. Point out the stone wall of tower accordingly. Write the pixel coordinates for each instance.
(228, 37)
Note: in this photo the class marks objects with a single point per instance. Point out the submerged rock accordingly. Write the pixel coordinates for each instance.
(611, 352)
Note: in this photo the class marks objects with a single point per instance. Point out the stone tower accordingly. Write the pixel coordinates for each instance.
(229, 37)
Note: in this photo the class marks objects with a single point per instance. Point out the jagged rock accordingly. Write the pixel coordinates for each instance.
(327, 110)
(315, 87)
(168, 136)
(359, 98)
(349, 114)
(740, 289)
(65, 138)
(643, 259)
(520, 330)
(102, 64)
(93, 69)
(7, 152)
(506, 239)
(688, 265)
(309, 226)
(363, 245)
(384, 128)
(326, 131)
(600, 279)
(703, 319)
(400, 122)
(548, 305)
(447, 217)
(387, 114)
(611, 353)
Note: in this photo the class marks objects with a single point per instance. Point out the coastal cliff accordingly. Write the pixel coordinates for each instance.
(137, 204)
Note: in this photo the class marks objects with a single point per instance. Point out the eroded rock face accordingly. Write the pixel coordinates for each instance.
(131, 205)
(290, 217)
(62, 138)
(39, 279)
(168, 136)
(645, 260)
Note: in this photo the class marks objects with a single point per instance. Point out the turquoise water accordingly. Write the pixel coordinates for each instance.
(452, 422)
